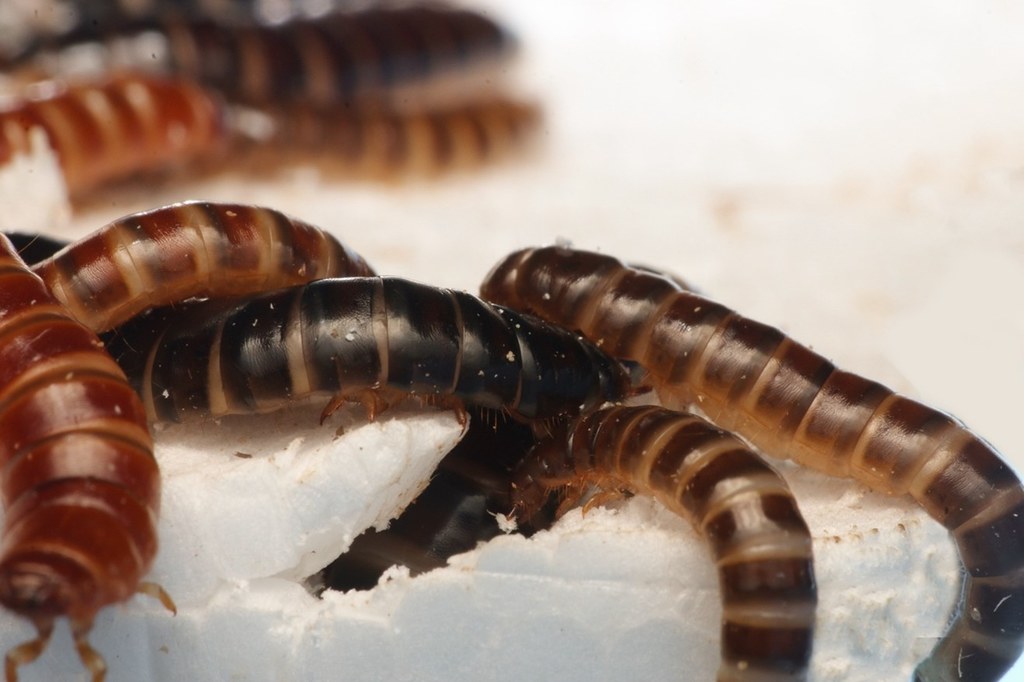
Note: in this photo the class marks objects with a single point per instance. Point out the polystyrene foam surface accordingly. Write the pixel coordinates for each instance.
(606, 595)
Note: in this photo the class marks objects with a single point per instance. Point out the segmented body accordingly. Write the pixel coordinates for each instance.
(170, 254)
(791, 402)
(367, 339)
(743, 508)
(453, 513)
(387, 142)
(116, 127)
(80, 486)
(330, 59)
(33, 25)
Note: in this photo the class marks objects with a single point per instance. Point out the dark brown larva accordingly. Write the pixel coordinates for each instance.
(35, 25)
(791, 402)
(170, 254)
(365, 339)
(116, 127)
(334, 58)
(80, 486)
(385, 142)
(744, 509)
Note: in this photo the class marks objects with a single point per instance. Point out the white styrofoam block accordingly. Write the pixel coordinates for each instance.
(272, 497)
(304, 489)
(607, 595)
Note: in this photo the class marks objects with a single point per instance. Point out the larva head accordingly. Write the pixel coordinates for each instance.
(547, 468)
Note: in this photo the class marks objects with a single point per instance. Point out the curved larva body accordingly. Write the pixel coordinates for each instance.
(791, 402)
(742, 506)
(363, 338)
(111, 129)
(388, 142)
(325, 60)
(80, 486)
(37, 24)
(186, 250)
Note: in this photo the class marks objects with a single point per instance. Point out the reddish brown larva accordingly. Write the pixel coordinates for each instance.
(80, 486)
(113, 128)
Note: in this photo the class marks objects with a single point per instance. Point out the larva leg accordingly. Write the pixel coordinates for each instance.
(159, 593)
(25, 653)
(91, 659)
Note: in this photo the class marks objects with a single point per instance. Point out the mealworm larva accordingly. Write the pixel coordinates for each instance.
(791, 402)
(369, 339)
(176, 252)
(111, 129)
(742, 506)
(323, 60)
(454, 513)
(387, 142)
(33, 24)
(80, 485)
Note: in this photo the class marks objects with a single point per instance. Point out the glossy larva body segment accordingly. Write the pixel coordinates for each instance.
(80, 485)
(738, 503)
(173, 253)
(330, 59)
(115, 127)
(791, 402)
(387, 142)
(352, 337)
